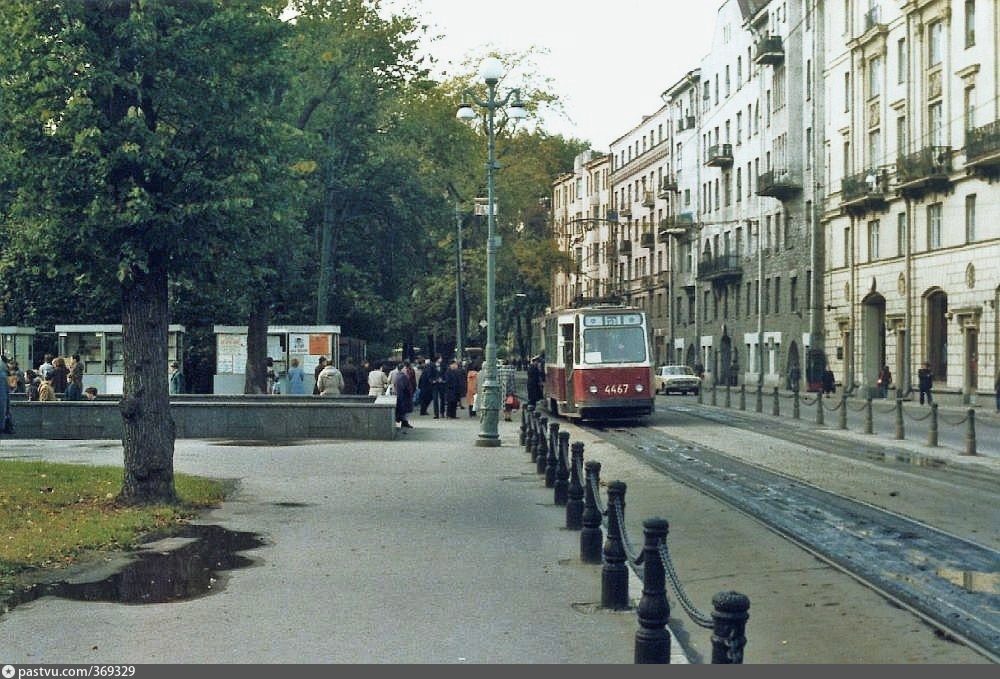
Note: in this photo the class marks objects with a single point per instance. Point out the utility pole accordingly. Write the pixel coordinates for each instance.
(459, 339)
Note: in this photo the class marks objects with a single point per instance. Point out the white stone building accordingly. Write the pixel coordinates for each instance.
(912, 213)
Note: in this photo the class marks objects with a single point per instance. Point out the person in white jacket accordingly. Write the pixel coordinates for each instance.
(377, 381)
(330, 382)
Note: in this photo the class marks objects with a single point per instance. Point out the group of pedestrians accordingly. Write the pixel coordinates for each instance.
(55, 377)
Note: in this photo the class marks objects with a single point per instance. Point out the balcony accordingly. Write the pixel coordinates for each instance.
(625, 211)
(625, 247)
(769, 51)
(646, 239)
(873, 19)
(721, 268)
(663, 278)
(676, 225)
(777, 184)
(868, 190)
(668, 185)
(720, 155)
(648, 199)
(982, 148)
(928, 169)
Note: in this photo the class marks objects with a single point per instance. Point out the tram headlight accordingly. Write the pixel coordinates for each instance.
(639, 388)
(592, 389)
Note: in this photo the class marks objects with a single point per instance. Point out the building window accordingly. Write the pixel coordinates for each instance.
(728, 84)
(739, 72)
(739, 184)
(809, 79)
(901, 135)
(739, 128)
(777, 295)
(847, 245)
(901, 61)
(874, 76)
(970, 23)
(970, 110)
(934, 226)
(809, 148)
(935, 34)
(970, 218)
(935, 124)
(847, 91)
(901, 234)
(873, 240)
(767, 296)
(793, 291)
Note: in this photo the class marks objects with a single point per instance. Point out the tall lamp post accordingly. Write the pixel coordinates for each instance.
(490, 71)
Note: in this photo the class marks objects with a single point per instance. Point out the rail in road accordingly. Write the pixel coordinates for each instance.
(909, 562)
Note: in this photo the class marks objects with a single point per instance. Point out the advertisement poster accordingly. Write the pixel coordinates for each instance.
(298, 344)
(319, 345)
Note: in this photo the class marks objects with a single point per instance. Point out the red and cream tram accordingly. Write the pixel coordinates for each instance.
(597, 363)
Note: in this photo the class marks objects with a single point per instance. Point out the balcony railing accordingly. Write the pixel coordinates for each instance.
(646, 240)
(720, 267)
(864, 191)
(769, 50)
(675, 225)
(625, 247)
(982, 145)
(648, 199)
(927, 169)
(873, 18)
(667, 186)
(777, 184)
(720, 155)
(625, 211)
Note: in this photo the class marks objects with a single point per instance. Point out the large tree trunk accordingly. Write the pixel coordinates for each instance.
(148, 428)
(256, 370)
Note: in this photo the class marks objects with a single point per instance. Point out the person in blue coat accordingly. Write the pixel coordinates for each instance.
(296, 378)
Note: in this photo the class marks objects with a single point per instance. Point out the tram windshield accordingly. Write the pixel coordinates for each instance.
(614, 345)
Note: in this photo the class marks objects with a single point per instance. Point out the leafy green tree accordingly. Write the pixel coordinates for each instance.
(138, 151)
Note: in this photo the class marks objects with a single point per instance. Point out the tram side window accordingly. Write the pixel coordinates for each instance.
(614, 345)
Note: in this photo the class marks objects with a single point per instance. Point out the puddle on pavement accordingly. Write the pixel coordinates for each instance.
(158, 575)
(972, 581)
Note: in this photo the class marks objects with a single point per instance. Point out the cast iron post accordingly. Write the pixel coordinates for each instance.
(574, 494)
(524, 426)
(776, 406)
(732, 610)
(900, 431)
(652, 641)
(970, 433)
(843, 410)
(715, 400)
(561, 486)
(729, 396)
(819, 410)
(795, 403)
(591, 537)
(743, 397)
(614, 574)
(543, 447)
(869, 424)
(932, 432)
(553, 456)
(759, 405)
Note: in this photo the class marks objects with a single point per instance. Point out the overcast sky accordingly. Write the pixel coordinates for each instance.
(609, 60)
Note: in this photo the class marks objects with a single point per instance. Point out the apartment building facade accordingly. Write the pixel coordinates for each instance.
(823, 192)
(912, 215)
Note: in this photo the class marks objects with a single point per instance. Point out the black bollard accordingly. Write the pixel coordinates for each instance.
(819, 410)
(970, 433)
(869, 424)
(574, 494)
(561, 486)
(729, 629)
(543, 448)
(843, 410)
(551, 460)
(729, 396)
(776, 406)
(614, 573)
(900, 431)
(743, 397)
(524, 424)
(714, 397)
(591, 537)
(652, 641)
(533, 436)
(932, 431)
(759, 405)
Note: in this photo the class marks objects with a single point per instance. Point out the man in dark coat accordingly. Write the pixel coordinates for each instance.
(404, 396)
(349, 372)
(454, 387)
(925, 380)
(535, 379)
(426, 384)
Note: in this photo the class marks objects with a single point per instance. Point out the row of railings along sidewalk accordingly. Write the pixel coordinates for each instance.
(841, 406)
(604, 540)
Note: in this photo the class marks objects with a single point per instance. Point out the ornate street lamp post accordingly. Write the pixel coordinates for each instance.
(490, 71)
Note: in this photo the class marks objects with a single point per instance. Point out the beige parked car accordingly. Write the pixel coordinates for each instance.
(677, 378)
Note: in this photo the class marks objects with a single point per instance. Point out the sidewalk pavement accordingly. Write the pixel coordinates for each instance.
(426, 549)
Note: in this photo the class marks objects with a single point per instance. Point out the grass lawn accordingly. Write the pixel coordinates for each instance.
(53, 514)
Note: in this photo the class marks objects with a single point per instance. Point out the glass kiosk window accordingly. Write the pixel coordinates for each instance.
(114, 354)
(89, 346)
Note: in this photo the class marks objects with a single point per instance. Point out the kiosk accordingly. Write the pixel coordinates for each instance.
(304, 342)
(17, 344)
(100, 349)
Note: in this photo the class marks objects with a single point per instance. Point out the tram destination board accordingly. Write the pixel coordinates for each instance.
(611, 320)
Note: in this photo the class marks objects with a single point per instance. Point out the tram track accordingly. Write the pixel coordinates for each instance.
(947, 580)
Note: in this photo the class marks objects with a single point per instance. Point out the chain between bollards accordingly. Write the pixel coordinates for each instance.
(591, 538)
(614, 573)
(869, 424)
(574, 494)
(970, 433)
(932, 430)
(900, 426)
(561, 485)
(652, 641)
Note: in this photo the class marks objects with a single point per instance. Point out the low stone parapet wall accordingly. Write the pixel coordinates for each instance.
(263, 418)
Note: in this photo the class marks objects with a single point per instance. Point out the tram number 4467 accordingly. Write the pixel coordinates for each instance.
(616, 389)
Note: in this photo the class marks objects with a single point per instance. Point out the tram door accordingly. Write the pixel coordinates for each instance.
(568, 331)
